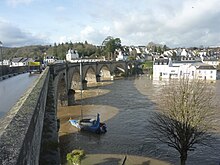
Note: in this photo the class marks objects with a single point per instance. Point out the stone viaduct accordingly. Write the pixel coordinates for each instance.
(29, 131)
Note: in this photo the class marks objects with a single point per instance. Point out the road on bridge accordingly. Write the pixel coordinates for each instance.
(12, 89)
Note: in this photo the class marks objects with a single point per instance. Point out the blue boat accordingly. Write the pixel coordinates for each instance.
(90, 125)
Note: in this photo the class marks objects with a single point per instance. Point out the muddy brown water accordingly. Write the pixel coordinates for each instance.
(125, 106)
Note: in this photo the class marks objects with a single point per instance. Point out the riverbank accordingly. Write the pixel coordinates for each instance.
(106, 112)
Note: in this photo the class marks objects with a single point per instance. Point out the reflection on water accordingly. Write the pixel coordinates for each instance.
(128, 131)
(12, 89)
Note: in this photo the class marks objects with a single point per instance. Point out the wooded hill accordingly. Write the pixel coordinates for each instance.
(57, 50)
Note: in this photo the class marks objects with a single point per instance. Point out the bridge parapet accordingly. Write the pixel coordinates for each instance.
(21, 129)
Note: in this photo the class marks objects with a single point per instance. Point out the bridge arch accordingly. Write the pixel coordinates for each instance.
(90, 75)
(119, 69)
(74, 78)
(104, 72)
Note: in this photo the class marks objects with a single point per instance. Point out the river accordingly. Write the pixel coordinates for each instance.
(129, 132)
(12, 89)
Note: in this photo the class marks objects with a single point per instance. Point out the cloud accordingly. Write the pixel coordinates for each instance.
(176, 23)
(188, 23)
(14, 3)
(13, 36)
(93, 35)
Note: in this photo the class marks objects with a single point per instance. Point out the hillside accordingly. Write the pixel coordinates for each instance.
(59, 51)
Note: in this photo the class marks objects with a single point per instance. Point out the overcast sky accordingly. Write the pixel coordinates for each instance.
(176, 23)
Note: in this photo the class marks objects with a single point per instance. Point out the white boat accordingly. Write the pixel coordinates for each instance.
(90, 125)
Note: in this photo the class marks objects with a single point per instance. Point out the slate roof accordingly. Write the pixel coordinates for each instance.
(161, 61)
(206, 67)
(210, 59)
(17, 59)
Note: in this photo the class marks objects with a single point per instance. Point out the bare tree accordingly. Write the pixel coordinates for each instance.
(185, 115)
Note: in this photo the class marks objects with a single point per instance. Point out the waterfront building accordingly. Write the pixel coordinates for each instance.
(211, 61)
(166, 68)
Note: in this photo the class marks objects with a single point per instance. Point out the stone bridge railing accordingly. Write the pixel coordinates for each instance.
(21, 129)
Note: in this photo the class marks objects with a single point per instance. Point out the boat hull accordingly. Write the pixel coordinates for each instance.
(89, 125)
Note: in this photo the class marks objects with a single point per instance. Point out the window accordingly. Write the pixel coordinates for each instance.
(192, 73)
(211, 71)
(181, 73)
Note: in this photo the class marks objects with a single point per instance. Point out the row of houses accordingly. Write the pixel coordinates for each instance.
(184, 67)
(18, 61)
(180, 62)
(23, 61)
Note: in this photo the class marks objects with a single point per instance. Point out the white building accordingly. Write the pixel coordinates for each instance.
(49, 60)
(211, 61)
(20, 61)
(72, 55)
(6, 62)
(121, 56)
(166, 68)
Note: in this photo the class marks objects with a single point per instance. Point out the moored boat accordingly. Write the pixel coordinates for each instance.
(90, 125)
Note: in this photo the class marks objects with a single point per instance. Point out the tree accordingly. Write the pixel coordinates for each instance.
(55, 50)
(185, 117)
(111, 44)
(155, 48)
(164, 48)
(159, 50)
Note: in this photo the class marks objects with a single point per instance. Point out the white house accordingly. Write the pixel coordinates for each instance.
(49, 59)
(16, 62)
(211, 61)
(72, 55)
(167, 68)
(161, 68)
(205, 71)
(121, 56)
(6, 62)
(20, 61)
(138, 50)
(184, 53)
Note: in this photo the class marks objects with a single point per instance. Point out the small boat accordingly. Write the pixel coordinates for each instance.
(90, 125)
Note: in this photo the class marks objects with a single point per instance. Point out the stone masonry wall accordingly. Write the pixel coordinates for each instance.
(21, 129)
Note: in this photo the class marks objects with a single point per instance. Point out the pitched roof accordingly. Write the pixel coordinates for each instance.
(210, 59)
(17, 59)
(206, 67)
(161, 61)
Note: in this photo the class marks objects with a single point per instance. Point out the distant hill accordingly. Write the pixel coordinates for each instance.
(35, 51)
(58, 50)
